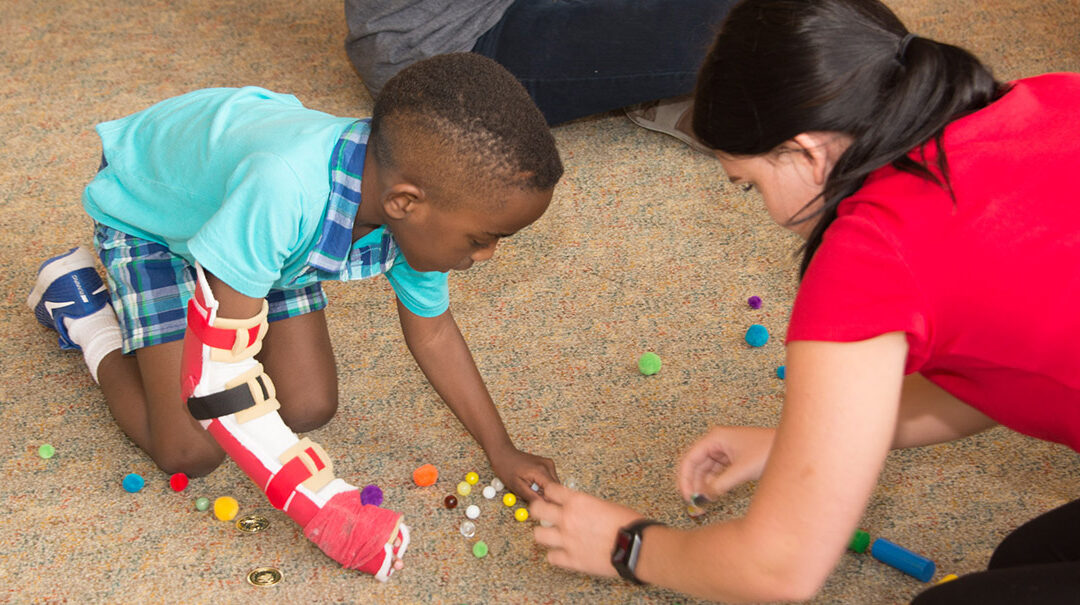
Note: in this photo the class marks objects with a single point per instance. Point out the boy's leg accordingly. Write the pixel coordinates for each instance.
(70, 298)
(143, 394)
(297, 354)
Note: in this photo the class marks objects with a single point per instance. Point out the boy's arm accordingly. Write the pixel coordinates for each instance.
(442, 354)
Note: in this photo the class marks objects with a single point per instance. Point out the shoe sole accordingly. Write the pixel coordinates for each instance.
(55, 268)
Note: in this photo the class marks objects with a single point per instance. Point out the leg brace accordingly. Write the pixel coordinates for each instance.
(227, 391)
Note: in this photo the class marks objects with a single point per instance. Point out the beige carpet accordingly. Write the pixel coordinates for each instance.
(644, 248)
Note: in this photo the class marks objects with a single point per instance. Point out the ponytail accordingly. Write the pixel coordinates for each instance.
(779, 68)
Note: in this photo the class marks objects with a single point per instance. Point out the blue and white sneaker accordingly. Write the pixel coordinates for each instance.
(67, 286)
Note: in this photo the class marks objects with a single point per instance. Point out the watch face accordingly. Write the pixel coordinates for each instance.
(623, 542)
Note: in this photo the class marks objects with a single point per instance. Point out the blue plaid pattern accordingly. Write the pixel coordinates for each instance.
(149, 287)
(332, 259)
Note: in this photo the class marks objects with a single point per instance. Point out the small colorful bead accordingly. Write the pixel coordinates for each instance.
(226, 507)
(480, 550)
(202, 504)
(178, 482)
(467, 529)
(509, 499)
(497, 484)
(464, 489)
(489, 492)
(472, 478)
(46, 451)
(781, 372)
(450, 501)
(521, 514)
(472, 511)
(133, 482)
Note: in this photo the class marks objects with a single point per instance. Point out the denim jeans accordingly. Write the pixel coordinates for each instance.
(580, 57)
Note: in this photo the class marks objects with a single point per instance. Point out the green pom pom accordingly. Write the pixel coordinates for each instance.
(46, 451)
(649, 363)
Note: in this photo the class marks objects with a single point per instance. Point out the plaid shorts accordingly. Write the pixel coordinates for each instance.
(149, 287)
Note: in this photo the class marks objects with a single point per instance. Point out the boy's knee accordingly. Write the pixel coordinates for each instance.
(310, 412)
(194, 460)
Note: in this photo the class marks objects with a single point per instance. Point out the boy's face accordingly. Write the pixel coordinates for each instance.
(435, 238)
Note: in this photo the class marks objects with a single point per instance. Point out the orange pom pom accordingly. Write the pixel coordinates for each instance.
(425, 475)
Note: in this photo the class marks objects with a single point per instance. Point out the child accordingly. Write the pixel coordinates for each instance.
(936, 203)
(219, 212)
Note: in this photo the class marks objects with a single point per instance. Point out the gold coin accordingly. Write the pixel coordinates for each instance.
(264, 576)
(252, 524)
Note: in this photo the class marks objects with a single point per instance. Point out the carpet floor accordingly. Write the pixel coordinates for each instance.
(645, 247)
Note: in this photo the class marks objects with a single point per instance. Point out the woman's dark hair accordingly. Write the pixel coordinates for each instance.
(779, 68)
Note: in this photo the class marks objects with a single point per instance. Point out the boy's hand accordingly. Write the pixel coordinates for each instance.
(519, 471)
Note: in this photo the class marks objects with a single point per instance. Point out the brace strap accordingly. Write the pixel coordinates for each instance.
(305, 463)
(249, 396)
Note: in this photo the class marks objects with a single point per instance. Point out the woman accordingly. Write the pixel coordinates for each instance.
(933, 200)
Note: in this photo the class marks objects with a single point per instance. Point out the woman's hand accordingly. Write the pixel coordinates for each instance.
(579, 530)
(519, 471)
(724, 458)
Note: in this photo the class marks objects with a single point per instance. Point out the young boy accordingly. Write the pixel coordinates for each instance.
(218, 213)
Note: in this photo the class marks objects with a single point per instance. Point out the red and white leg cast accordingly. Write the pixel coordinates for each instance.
(227, 391)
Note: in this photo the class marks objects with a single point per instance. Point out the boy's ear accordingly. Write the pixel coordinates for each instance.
(402, 199)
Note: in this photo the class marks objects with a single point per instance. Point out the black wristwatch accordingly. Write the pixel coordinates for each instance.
(624, 556)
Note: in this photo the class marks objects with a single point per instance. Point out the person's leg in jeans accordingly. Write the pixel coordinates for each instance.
(1038, 563)
(582, 57)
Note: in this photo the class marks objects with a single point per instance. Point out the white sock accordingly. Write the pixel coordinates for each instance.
(98, 334)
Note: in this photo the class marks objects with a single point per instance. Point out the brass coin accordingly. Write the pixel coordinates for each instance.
(264, 576)
(252, 524)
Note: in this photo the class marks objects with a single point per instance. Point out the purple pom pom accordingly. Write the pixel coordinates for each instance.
(754, 302)
(371, 494)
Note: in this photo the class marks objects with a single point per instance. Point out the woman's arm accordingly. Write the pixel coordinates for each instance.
(929, 415)
(836, 429)
(837, 426)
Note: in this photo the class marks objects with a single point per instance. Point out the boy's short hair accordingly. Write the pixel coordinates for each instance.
(474, 109)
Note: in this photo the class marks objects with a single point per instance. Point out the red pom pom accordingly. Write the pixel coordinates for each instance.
(178, 482)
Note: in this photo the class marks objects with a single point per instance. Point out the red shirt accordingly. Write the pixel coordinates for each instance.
(986, 288)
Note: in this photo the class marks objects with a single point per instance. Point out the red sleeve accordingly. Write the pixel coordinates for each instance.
(857, 287)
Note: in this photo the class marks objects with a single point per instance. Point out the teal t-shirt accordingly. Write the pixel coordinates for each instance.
(239, 180)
